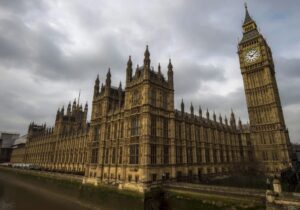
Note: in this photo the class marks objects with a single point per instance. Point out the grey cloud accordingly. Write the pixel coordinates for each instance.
(35, 37)
(288, 78)
(189, 77)
(22, 7)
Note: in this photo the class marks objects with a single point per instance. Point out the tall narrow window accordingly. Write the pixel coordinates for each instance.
(136, 98)
(207, 156)
(108, 132)
(165, 129)
(153, 125)
(96, 133)
(120, 155)
(106, 156)
(274, 155)
(153, 97)
(199, 155)
(166, 154)
(165, 100)
(178, 154)
(189, 154)
(115, 131)
(94, 157)
(177, 130)
(135, 126)
(122, 130)
(113, 156)
(153, 154)
(134, 154)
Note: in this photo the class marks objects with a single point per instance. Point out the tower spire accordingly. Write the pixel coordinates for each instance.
(192, 109)
(78, 98)
(170, 73)
(147, 58)
(248, 18)
(108, 78)
(129, 70)
(96, 86)
(182, 106)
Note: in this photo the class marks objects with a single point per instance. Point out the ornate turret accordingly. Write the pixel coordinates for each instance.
(108, 79)
(207, 114)
(240, 124)
(200, 111)
(120, 94)
(249, 25)
(69, 109)
(214, 117)
(182, 107)
(85, 113)
(232, 120)
(102, 87)
(96, 86)
(248, 18)
(74, 105)
(192, 109)
(86, 107)
(129, 70)
(159, 69)
(226, 121)
(170, 74)
(147, 58)
(57, 114)
(62, 112)
(220, 119)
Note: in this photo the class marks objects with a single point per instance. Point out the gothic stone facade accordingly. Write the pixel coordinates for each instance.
(63, 147)
(136, 137)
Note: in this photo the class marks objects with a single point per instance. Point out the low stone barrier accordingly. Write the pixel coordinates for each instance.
(217, 189)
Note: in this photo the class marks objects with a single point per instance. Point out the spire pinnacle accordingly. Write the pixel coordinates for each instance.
(248, 18)
(159, 68)
(200, 111)
(129, 62)
(192, 108)
(147, 57)
(97, 81)
(170, 66)
(108, 78)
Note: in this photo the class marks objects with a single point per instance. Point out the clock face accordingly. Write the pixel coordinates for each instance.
(252, 55)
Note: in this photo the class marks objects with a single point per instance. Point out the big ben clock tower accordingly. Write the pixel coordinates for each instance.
(269, 136)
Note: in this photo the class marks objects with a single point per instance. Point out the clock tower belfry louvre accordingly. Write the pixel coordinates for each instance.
(269, 136)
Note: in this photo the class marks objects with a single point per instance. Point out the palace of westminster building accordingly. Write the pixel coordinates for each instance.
(137, 138)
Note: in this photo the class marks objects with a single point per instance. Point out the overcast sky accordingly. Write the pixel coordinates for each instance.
(49, 50)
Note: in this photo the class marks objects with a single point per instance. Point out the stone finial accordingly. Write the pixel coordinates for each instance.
(108, 78)
(200, 111)
(147, 57)
(192, 109)
(182, 106)
(207, 114)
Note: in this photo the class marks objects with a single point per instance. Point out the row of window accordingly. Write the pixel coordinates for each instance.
(159, 101)
(205, 134)
(153, 154)
(266, 155)
(224, 156)
(163, 129)
(109, 132)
